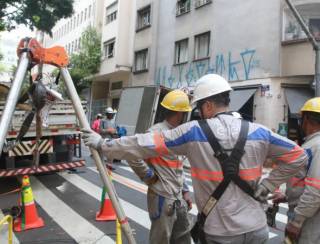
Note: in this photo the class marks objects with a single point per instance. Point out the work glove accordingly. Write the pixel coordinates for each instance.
(293, 228)
(261, 193)
(187, 198)
(278, 197)
(92, 139)
(293, 232)
(152, 180)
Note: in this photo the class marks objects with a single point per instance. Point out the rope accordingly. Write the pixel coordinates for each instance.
(10, 192)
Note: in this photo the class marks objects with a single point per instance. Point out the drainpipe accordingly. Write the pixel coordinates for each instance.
(315, 44)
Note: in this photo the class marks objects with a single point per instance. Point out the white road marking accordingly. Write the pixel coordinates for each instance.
(136, 214)
(76, 226)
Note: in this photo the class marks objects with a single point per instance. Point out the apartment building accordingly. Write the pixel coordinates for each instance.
(117, 34)
(67, 32)
(113, 19)
(257, 46)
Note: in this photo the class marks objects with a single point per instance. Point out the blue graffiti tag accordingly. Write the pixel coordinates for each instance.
(200, 69)
(233, 75)
(235, 66)
(189, 75)
(220, 66)
(247, 64)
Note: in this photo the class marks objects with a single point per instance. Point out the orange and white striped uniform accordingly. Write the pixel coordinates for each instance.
(169, 168)
(303, 192)
(236, 212)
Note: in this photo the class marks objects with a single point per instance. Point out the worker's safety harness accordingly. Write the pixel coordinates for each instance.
(230, 170)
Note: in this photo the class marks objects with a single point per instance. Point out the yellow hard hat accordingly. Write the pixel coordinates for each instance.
(176, 100)
(312, 105)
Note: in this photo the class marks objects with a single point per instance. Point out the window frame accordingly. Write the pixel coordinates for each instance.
(196, 51)
(203, 3)
(111, 17)
(145, 69)
(176, 59)
(291, 29)
(145, 9)
(186, 5)
(106, 45)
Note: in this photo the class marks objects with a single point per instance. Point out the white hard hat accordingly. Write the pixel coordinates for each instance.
(109, 110)
(209, 85)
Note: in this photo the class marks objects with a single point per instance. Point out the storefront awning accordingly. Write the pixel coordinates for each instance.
(296, 97)
(240, 97)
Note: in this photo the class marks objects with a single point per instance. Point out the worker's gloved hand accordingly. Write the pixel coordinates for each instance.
(278, 197)
(92, 139)
(292, 231)
(152, 180)
(187, 198)
(293, 228)
(261, 193)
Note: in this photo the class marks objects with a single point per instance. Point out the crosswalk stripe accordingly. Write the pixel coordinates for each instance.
(136, 214)
(76, 226)
(4, 233)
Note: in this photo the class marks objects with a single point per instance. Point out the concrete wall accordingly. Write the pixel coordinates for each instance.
(122, 30)
(248, 47)
(147, 38)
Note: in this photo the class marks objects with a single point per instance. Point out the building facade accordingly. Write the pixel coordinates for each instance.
(113, 20)
(117, 54)
(259, 48)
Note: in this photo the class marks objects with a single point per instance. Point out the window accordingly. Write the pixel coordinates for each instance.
(78, 17)
(89, 11)
(111, 17)
(111, 12)
(74, 22)
(109, 48)
(200, 3)
(314, 25)
(116, 85)
(81, 17)
(72, 45)
(140, 60)
(115, 102)
(144, 19)
(201, 47)
(85, 14)
(183, 6)
(79, 43)
(181, 51)
(311, 15)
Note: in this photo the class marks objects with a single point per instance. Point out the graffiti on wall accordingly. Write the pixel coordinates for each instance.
(233, 66)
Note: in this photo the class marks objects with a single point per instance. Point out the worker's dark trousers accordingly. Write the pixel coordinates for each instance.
(169, 220)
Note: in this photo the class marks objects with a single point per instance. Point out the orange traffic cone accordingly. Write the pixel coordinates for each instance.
(106, 212)
(29, 218)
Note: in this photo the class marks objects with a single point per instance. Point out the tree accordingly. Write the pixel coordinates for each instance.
(40, 14)
(87, 61)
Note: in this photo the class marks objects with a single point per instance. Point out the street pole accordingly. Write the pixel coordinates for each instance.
(315, 44)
